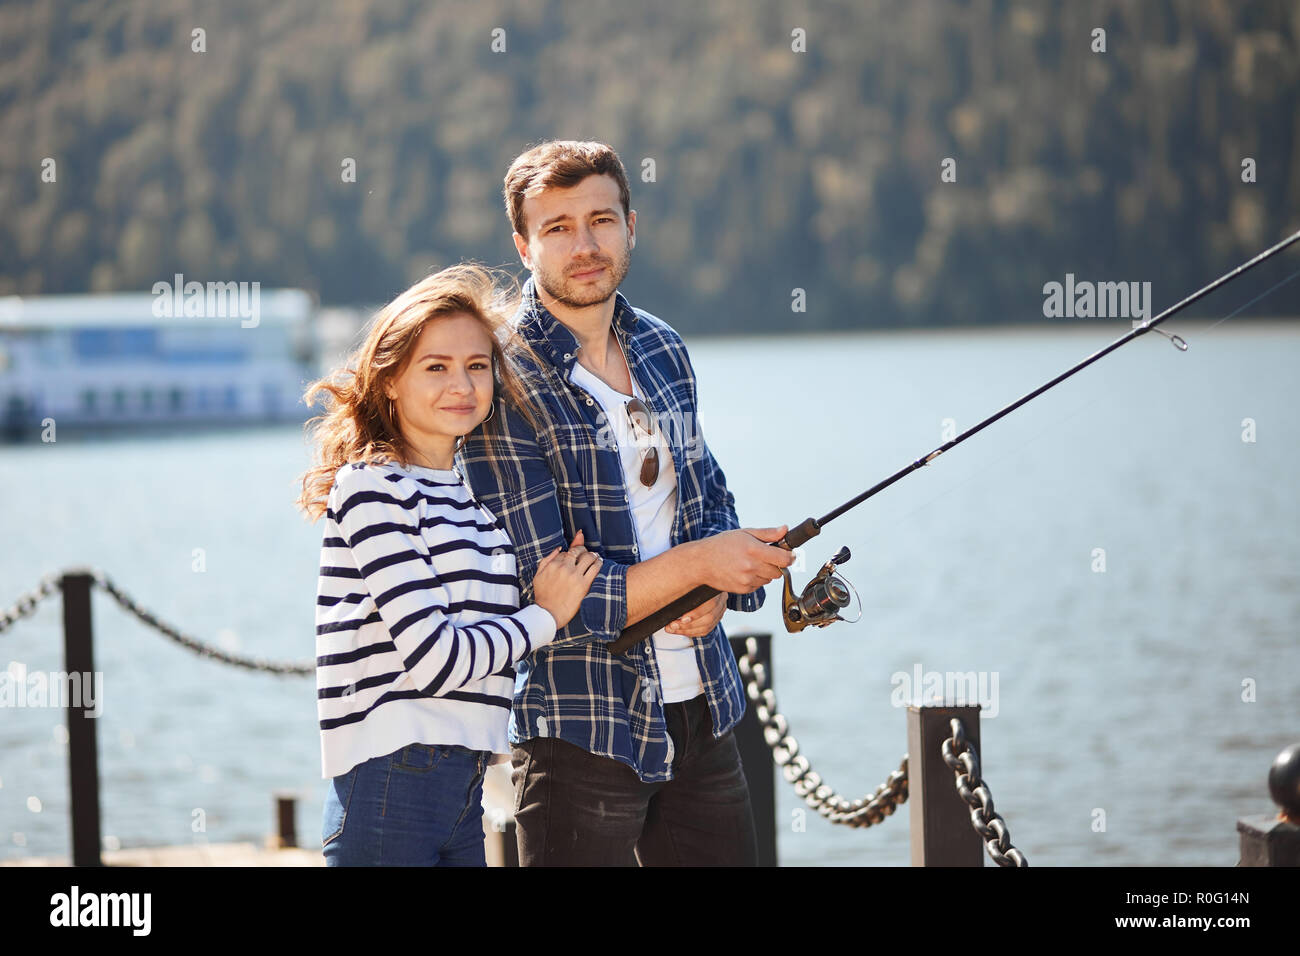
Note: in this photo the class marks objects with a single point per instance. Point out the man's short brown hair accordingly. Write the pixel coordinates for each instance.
(563, 163)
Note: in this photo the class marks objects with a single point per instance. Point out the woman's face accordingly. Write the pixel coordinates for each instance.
(445, 390)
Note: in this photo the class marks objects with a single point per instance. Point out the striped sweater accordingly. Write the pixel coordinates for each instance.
(417, 617)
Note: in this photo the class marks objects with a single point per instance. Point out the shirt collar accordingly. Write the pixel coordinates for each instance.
(551, 337)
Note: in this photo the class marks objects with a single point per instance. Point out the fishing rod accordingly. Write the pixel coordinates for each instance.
(827, 594)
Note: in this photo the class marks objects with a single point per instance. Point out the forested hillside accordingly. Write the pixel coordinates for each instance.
(792, 145)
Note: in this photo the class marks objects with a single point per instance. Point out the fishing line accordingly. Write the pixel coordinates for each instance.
(1253, 301)
(1086, 405)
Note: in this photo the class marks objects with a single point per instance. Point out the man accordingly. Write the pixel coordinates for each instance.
(617, 758)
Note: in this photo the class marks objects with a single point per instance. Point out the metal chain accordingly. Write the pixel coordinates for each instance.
(964, 761)
(200, 648)
(795, 766)
(958, 753)
(27, 603)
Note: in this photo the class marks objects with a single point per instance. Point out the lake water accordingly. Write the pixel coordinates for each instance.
(1152, 694)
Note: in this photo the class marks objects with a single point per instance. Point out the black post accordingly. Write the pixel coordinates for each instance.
(83, 750)
(756, 757)
(940, 820)
(286, 812)
(1274, 840)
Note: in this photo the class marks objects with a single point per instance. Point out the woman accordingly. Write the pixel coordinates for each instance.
(417, 610)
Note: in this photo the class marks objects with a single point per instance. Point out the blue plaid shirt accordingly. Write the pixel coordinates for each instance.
(567, 477)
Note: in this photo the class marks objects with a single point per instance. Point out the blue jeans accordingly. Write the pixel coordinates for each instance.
(418, 806)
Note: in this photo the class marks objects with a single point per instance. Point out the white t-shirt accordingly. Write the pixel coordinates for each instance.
(653, 512)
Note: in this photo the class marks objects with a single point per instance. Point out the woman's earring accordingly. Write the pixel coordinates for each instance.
(491, 411)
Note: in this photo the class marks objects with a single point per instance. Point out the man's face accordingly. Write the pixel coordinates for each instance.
(579, 245)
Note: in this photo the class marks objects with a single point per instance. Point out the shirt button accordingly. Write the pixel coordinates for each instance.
(567, 356)
(634, 550)
(589, 400)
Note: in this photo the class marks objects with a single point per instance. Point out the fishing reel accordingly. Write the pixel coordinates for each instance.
(822, 600)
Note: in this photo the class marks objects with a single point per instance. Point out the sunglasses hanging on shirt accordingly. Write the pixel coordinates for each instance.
(638, 413)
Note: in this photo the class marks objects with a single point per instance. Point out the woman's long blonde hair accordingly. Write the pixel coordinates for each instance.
(358, 424)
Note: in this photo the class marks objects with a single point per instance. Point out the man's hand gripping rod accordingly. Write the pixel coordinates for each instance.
(693, 599)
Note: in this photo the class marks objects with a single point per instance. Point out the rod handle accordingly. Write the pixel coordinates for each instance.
(666, 615)
(691, 600)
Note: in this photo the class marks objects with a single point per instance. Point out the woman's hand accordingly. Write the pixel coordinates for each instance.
(563, 580)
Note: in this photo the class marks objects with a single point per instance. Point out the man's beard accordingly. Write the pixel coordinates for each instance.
(578, 295)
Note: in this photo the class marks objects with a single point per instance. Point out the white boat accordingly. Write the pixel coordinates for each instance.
(103, 362)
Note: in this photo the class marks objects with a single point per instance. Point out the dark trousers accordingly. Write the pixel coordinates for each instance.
(573, 808)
